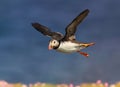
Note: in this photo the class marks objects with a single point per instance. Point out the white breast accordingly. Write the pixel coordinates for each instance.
(68, 47)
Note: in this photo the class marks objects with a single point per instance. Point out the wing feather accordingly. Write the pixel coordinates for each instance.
(46, 31)
(71, 28)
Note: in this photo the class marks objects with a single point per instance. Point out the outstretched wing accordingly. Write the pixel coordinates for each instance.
(46, 31)
(71, 28)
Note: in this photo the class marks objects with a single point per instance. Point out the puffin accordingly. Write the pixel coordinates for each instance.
(65, 43)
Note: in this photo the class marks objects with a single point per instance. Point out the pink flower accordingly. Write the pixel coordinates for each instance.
(71, 85)
(98, 82)
(106, 84)
(5, 84)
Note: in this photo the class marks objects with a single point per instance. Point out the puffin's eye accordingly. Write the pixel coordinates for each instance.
(54, 42)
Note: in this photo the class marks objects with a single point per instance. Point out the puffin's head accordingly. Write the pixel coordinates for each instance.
(53, 44)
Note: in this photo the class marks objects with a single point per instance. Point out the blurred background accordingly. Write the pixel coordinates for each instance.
(24, 55)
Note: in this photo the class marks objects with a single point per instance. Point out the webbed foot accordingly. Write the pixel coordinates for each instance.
(83, 53)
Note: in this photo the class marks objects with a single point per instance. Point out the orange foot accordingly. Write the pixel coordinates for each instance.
(83, 53)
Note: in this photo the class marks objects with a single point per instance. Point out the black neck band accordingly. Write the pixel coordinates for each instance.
(58, 45)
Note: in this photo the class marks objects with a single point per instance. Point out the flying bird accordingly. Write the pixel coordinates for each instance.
(65, 43)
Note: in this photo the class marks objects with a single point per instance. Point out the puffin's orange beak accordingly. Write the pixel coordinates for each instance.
(50, 47)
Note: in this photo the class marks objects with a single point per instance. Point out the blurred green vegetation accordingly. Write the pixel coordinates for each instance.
(97, 84)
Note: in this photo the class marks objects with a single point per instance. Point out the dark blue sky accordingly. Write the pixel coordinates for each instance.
(24, 56)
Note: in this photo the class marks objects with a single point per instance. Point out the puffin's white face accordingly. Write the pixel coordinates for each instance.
(53, 44)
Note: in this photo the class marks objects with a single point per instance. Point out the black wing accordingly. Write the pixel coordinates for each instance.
(46, 31)
(71, 28)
